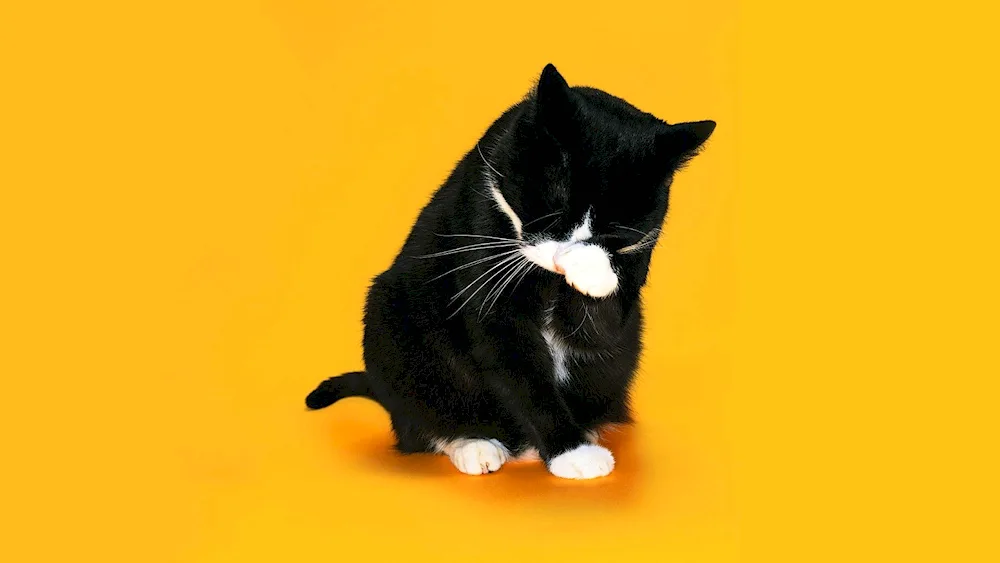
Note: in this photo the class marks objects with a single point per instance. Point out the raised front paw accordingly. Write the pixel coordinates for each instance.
(587, 268)
(586, 461)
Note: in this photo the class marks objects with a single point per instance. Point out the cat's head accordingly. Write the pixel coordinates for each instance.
(584, 177)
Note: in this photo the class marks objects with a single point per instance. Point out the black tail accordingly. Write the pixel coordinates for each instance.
(336, 388)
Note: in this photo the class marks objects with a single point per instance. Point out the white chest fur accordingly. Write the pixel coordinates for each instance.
(558, 350)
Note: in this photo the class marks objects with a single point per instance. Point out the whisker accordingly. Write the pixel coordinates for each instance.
(506, 282)
(505, 263)
(484, 196)
(531, 266)
(494, 267)
(637, 247)
(592, 322)
(540, 218)
(648, 240)
(499, 286)
(617, 226)
(481, 155)
(473, 263)
(468, 248)
(476, 236)
(549, 226)
(489, 294)
(581, 323)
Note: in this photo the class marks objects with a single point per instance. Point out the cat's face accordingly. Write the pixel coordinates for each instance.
(584, 179)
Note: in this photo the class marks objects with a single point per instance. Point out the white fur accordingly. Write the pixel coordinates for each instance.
(475, 456)
(559, 352)
(543, 254)
(582, 231)
(583, 462)
(588, 269)
(507, 210)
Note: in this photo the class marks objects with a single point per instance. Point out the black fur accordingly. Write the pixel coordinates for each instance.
(484, 370)
(353, 384)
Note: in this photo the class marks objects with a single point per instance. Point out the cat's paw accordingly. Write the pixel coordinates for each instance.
(583, 462)
(587, 268)
(477, 457)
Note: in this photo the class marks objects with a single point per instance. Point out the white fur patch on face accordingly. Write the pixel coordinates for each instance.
(515, 221)
(475, 456)
(582, 231)
(583, 462)
(543, 254)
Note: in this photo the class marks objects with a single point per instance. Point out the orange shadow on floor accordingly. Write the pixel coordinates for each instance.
(370, 445)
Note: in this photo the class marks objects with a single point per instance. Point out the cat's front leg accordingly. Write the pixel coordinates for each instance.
(566, 449)
(532, 396)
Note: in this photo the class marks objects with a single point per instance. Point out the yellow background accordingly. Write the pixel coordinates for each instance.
(196, 194)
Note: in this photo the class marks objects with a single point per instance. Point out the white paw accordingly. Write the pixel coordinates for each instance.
(587, 268)
(583, 462)
(476, 457)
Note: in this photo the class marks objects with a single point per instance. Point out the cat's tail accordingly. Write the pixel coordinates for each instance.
(353, 384)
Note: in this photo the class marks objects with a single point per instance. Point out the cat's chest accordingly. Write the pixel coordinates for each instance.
(560, 353)
(564, 348)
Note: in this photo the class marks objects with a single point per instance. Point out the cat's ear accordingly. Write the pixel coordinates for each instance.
(554, 100)
(678, 143)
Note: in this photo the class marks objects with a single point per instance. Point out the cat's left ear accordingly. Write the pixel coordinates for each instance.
(554, 101)
(679, 143)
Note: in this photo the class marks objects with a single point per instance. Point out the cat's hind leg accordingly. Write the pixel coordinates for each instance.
(474, 456)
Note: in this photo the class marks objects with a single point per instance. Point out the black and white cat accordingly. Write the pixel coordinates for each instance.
(510, 323)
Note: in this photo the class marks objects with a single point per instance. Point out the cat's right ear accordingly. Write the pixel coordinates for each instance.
(677, 144)
(553, 101)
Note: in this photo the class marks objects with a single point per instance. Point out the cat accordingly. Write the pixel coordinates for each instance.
(509, 325)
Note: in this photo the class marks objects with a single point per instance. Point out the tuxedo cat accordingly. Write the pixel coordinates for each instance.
(510, 323)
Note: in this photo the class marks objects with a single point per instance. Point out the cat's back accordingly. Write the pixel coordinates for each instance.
(402, 290)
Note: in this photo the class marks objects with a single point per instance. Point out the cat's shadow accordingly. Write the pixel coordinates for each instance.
(518, 481)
